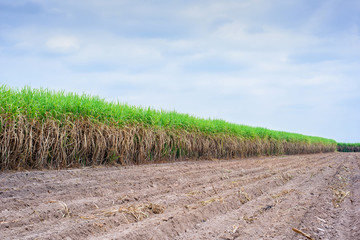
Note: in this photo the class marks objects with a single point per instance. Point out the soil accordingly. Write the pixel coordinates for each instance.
(255, 198)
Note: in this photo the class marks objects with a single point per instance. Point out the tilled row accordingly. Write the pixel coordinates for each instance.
(171, 199)
(224, 201)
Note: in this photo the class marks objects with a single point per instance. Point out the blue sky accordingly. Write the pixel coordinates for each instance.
(284, 65)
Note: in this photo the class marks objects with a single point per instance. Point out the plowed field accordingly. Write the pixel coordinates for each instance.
(256, 198)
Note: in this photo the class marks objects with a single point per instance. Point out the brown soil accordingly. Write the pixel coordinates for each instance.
(256, 198)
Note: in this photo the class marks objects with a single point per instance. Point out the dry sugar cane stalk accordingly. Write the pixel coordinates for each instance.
(302, 233)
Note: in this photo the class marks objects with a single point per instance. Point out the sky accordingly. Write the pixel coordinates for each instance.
(284, 65)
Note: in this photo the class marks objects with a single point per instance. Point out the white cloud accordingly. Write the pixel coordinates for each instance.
(62, 44)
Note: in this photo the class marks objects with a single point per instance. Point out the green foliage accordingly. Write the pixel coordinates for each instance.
(43, 104)
(348, 147)
(349, 144)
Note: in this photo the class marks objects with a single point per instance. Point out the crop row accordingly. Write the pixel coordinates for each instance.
(348, 147)
(42, 128)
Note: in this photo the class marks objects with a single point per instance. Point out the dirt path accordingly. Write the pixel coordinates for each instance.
(257, 198)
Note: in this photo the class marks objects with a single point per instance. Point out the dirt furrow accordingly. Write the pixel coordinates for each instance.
(335, 215)
(235, 199)
(238, 198)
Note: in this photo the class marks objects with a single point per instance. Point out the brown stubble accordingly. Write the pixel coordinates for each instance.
(54, 144)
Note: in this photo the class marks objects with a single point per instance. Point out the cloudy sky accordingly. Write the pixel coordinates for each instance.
(284, 65)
